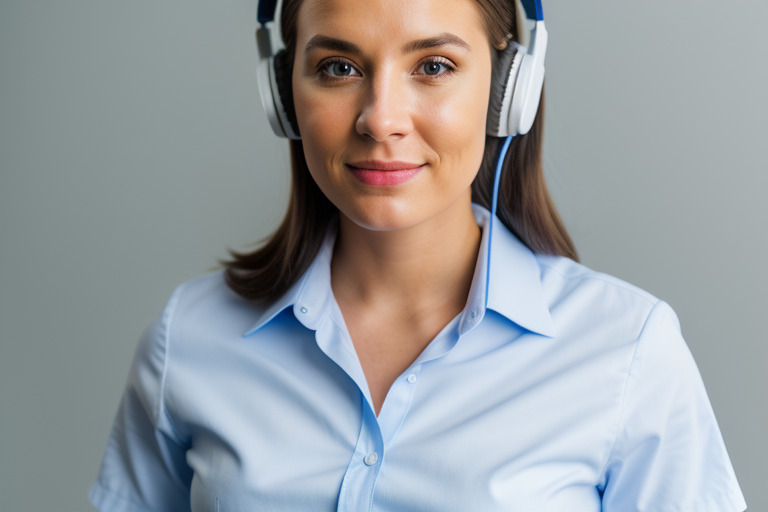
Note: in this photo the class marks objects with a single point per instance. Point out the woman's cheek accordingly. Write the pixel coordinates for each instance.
(454, 125)
(323, 116)
(324, 126)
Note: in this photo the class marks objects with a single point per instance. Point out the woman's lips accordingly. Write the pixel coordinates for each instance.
(382, 173)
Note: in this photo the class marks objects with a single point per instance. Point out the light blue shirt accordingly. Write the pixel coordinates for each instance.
(572, 391)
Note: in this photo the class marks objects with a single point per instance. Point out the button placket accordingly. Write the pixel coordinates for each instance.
(397, 404)
(359, 482)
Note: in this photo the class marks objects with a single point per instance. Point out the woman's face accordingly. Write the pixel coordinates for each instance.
(391, 98)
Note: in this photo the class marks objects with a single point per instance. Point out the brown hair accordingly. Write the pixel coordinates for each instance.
(525, 205)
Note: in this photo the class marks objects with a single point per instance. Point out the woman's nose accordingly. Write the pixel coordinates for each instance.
(386, 110)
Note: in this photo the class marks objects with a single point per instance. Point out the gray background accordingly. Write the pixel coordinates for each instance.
(134, 151)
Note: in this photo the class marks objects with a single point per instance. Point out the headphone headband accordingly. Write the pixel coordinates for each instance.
(266, 11)
(533, 9)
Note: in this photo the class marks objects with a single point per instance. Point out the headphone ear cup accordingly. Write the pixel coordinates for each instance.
(274, 77)
(506, 68)
(525, 104)
(268, 95)
(284, 90)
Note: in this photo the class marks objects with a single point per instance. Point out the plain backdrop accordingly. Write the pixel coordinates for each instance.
(134, 151)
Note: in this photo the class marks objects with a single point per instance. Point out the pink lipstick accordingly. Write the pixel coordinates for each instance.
(381, 173)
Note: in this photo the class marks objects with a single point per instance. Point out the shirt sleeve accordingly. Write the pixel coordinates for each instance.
(669, 454)
(144, 466)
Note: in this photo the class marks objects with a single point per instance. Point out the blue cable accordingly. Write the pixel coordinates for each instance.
(494, 202)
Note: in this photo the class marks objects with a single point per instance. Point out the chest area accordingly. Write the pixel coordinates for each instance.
(499, 427)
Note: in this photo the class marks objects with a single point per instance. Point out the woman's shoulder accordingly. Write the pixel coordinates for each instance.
(569, 274)
(665, 422)
(580, 295)
(205, 290)
(206, 304)
(210, 285)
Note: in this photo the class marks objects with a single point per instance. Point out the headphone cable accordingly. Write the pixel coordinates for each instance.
(494, 203)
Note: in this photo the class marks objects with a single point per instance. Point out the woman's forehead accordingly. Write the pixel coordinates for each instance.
(382, 18)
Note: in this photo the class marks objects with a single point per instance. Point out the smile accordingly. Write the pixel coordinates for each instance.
(381, 173)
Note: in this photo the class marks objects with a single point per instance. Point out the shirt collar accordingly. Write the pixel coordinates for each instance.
(311, 295)
(515, 289)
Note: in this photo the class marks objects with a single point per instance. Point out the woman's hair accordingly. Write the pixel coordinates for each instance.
(525, 205)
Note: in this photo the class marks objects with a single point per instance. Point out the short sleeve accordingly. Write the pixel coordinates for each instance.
(669, 454)
(144, 466)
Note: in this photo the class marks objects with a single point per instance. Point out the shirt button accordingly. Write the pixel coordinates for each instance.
(303, 309)
(473, 314)
(371, 459)
(412, 378)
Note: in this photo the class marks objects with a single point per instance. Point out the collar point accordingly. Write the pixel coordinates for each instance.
(544, 327)
(253, 330)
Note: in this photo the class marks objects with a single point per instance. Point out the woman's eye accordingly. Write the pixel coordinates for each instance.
(436, 67)
(338, 69)
(344, 69)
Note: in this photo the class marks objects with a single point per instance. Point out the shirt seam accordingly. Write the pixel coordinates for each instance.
(619, 425)
(169, 317)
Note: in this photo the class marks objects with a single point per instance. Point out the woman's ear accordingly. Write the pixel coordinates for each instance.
(502, 45)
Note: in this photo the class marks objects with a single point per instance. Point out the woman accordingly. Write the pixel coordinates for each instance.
(394, 346)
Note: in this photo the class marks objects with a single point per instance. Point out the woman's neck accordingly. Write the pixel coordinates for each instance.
(428, 265)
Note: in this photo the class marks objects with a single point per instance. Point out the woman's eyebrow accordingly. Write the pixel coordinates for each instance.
(330, 43)
(339, 45)
(444, 39)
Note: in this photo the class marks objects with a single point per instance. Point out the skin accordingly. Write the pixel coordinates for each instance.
(405, 254)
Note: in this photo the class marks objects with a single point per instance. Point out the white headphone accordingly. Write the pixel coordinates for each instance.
(518, 77)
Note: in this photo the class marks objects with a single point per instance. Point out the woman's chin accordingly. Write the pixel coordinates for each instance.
(384, 214)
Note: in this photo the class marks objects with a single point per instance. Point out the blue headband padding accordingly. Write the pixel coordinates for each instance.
(533, 9)
(266, 11)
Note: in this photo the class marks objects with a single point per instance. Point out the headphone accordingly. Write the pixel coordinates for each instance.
(518, 77)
